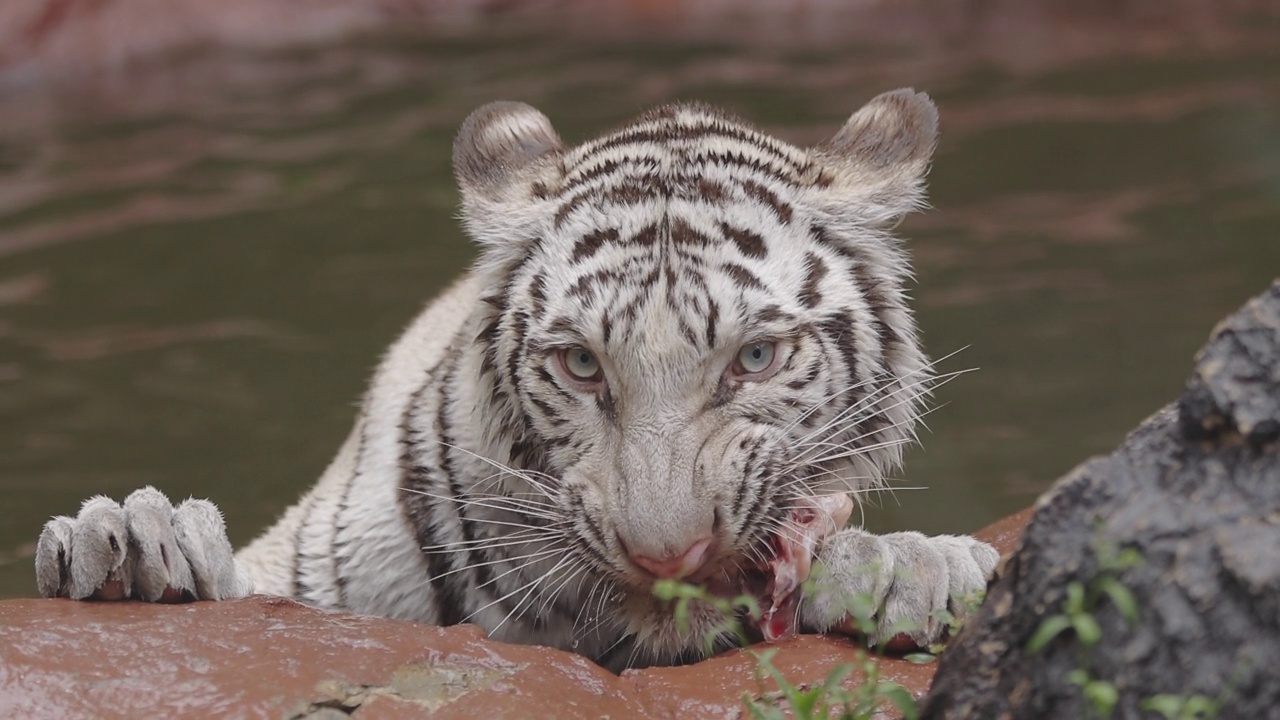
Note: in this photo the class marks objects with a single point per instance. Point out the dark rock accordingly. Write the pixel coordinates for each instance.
(1195, 491)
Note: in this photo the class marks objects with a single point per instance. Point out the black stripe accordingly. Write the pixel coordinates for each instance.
(417, 479)
(738, 160)
(713, 317)
(879, 305)
(754, 514)
(839, 327)
(879, 300)
(815, 271)
(538, 292)
(337, 549)
(750, 244)
(629, 190)
(683, 234)
(474, 558)
(591, 243)
(301, 591)
(765, 195)
(741, 495)
(742, 277)
(720, 127)
(586, 176)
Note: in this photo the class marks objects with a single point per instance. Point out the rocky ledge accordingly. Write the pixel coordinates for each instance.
(271, 657)
(1148, 582)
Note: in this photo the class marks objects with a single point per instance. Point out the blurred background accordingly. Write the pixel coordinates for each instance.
(214, 216)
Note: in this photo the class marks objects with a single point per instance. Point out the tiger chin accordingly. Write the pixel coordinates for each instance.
(683, 344)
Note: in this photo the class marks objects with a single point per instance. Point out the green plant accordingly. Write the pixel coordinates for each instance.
(728, 610)
(1078, 608)
(1082, 600)
(866, 700)
(966, 605)
(1177, 707)
(830, 699)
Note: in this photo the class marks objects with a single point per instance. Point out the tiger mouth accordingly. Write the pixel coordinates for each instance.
(775, 582)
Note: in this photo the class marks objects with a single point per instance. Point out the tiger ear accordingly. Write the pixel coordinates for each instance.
(879, 158)
(499, 145)
(504, 151)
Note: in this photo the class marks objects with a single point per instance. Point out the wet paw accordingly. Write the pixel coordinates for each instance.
(145, 548)
(896, 586)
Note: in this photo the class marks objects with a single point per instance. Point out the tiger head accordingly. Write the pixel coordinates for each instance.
(688, 325)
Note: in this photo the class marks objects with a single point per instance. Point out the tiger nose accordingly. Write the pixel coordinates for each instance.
(675, 564)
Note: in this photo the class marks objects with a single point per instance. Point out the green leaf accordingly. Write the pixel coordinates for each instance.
(1121, 598)
(900, 698)
(789, 691)
(920, 658)
(902, 626)
(1075, 598)
(1086, 629)
(1128, 557)
(665, 589)
(803, 704)
(760, 711)
(861, 605)
(1102, 695)
(1170, 706)
(750, 604)
(682, 614)
(837, 674)
(1199, 705)
(1052, 627)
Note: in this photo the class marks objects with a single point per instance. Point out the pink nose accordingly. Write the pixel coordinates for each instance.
(676, 566)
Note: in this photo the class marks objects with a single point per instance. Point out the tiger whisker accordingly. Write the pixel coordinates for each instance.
(485, 520)
(528, 589)
(490, 543)
(523, 474)
(913, 391)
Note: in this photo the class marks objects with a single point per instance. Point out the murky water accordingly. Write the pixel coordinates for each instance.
(201, 262)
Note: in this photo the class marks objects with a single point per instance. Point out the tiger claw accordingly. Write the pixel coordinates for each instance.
(905, 580)
(144, 549)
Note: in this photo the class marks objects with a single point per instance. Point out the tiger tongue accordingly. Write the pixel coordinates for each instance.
(807, 524)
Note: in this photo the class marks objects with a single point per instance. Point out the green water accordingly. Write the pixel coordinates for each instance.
(200, 262)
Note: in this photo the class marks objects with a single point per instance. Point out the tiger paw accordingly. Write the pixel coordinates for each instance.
(146, 549)
(899, 589)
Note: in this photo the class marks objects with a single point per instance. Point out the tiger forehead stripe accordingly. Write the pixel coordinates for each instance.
(695, 136)
(706, 128)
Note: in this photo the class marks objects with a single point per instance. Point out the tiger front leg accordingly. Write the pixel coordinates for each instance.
(901, 583)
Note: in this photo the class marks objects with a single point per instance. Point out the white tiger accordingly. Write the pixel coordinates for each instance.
(676, 336)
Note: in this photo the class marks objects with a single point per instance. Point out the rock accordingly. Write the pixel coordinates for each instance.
(271, 657)
(1194, 495)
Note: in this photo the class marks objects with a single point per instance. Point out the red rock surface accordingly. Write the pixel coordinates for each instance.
(270, 657)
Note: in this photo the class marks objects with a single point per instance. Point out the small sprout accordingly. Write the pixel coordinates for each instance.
(1101, 694)
(1052, 627)
(1075, 598)
(1120, 597)
(1087, 629)
(1177, 707)
(902, 700)
(683, 594)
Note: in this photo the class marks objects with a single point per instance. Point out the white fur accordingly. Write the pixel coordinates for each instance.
(645, 464)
